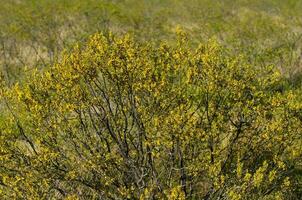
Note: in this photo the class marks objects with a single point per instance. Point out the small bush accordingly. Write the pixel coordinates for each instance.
(119, 119)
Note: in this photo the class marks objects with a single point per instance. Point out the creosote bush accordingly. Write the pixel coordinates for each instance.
(120, 119)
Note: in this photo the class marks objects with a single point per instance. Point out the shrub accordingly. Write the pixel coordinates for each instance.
(119, 119)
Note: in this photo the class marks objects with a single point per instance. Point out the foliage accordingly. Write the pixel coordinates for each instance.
(122, 119)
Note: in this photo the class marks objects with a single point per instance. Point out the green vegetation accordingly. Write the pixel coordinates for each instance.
(158, 99)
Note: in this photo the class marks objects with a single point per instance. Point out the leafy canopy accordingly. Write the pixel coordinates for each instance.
(118, 119)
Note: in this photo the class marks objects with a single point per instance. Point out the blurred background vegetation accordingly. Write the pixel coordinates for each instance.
(34, 33)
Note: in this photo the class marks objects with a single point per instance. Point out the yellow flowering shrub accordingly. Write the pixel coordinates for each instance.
(119, 119)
